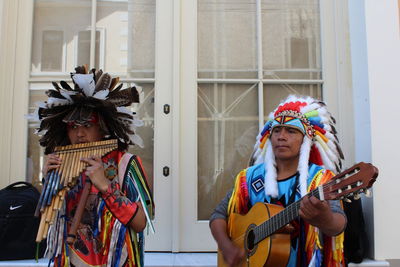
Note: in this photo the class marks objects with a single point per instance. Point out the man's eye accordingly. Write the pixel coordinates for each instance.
(88, 125)
(276, 130)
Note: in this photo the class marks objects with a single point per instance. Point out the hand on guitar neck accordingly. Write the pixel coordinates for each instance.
(319, 214)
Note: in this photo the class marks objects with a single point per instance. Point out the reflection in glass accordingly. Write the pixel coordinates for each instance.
(129, 28)
(52, 51)
(83, 56)
(125, 36)
(227, 128)
(67, 17)
(291, 39)
(227, 39)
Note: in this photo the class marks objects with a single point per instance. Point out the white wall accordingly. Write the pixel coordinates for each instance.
(383, 60)
(16, 23)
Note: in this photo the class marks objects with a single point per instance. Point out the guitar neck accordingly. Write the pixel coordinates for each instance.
(279, 220)
(353, 180)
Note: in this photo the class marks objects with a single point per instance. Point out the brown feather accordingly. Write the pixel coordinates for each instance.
(103, 83)
(116, 90)
(80, 70)
(55, 94)
(55, 85)
(65, 85)
(97, 75)
(124, 97)
(114, 82)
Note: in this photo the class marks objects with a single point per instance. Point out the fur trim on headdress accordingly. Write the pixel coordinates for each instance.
(320, 144)
(93, 93)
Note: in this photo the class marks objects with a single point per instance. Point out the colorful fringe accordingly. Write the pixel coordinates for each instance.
(111, 232)
(331, 254)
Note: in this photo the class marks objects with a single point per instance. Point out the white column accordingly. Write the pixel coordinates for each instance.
(381, 82)
(15, 32)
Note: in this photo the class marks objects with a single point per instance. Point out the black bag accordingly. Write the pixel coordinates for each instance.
(18, 226)
(355, 236)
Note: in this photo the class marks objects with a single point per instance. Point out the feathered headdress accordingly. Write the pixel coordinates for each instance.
(93, 94)
(320, 144)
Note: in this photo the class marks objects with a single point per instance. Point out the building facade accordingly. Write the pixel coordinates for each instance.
(210, 73)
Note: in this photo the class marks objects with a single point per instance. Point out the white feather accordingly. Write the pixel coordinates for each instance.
(53, 101)
(41, 104)
(325, 159)
(270, 183)
(309, 108)
(332, 147)
(102, 94)
(34, 116)
(124, 110)
(85, 82)
(67, 94)
(137, 140)
(303, 164)
(137, 123)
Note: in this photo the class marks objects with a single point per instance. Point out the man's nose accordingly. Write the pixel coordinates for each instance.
(282, 134)
(81, 131)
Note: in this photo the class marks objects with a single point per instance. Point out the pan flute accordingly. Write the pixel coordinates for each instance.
(60, 180)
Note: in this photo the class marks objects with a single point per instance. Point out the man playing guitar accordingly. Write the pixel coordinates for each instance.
(296, 151)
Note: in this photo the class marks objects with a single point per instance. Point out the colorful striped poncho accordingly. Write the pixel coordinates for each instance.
(102, 240)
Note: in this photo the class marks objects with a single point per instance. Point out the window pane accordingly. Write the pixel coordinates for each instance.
(145, 112)
(83, 55)
(227, 39)
(291, 39)
(227, 128)
(52, 51)
(35, 152)
(275, 93)
(130, 38)
(68, 17)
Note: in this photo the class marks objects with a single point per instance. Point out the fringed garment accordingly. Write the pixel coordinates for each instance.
(309, 247)
(102, 240)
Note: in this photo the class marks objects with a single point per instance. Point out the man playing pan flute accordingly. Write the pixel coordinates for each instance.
(296, 151)
(120, 204)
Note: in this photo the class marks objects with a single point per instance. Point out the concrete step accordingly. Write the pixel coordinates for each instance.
(156, 259)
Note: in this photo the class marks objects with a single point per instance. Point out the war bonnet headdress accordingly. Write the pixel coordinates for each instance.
(95, 94)
(320, 144)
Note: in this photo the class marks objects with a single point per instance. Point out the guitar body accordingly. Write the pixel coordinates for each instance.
(273, 251)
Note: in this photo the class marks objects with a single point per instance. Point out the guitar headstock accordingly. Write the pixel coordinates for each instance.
(352, 181)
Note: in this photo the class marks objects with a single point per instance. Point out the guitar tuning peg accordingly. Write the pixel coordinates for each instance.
(368, 193)
(357, 196)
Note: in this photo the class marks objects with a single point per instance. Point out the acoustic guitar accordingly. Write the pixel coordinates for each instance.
(256, 232)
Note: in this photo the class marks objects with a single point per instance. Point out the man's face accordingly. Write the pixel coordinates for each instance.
(84, 133)
(286, 143)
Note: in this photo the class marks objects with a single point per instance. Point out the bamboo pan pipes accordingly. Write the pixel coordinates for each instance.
(60, 180)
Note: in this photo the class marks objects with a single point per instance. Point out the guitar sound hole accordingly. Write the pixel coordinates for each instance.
(250, 240)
